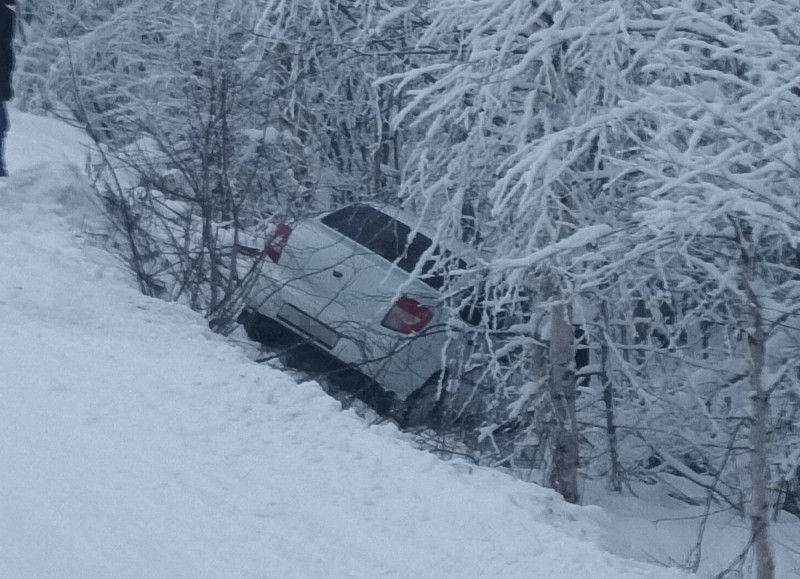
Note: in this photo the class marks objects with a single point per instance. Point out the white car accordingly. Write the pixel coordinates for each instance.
(361, 283)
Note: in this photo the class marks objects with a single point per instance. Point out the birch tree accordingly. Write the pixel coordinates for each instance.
(719, 172)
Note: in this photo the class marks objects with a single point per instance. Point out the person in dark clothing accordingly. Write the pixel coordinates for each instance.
(7, 21)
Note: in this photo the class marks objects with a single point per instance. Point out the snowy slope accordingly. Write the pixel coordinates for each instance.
(136, 443)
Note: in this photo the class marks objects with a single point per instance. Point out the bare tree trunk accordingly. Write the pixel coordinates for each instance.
(615, 476)
(563, 476)
(759, 473)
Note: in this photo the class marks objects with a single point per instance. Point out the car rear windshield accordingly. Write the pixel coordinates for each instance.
(385, 236)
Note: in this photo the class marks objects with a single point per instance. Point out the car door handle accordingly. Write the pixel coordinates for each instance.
(337, 273)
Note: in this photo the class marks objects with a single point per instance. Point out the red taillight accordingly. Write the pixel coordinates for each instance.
(277, 242)
(407, 316)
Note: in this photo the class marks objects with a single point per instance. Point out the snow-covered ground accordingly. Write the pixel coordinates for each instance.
(655, 527)
(134, 442)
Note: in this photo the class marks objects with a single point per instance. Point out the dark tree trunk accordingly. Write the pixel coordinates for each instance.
(563, 475)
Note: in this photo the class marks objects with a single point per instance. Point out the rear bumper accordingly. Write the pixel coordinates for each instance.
(400, 364)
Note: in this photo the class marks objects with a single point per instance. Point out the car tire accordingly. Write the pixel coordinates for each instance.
(260, 328)
(424, 408)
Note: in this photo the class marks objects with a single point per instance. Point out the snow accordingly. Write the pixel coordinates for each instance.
(137, 443)
(581, 238)
(655, 527)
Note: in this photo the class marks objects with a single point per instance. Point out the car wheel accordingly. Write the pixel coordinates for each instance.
(350, 379)
(425, 406)
(260, 328)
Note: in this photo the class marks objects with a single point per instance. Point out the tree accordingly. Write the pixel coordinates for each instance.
(720, 167)
(516, 118)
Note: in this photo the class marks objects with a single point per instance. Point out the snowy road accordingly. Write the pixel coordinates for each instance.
(136, 443)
